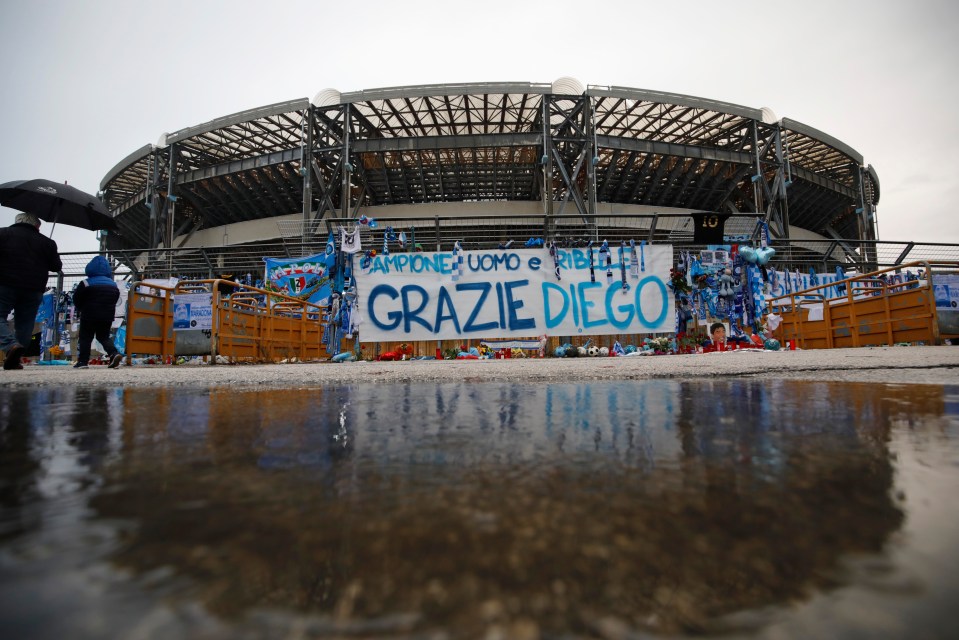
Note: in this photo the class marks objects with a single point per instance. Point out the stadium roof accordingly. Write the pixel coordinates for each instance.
(490, 142)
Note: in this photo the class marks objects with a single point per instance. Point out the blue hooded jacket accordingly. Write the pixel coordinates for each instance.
(96, 297)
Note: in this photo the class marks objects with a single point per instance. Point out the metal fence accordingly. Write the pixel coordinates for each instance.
(438, 233)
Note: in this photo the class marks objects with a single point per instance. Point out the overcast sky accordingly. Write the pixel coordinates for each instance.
(87, 82)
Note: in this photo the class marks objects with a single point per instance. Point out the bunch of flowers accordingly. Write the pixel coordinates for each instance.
(687, 343)
(677, 281)
(662, 344)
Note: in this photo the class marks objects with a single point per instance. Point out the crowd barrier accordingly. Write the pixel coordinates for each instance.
(872, 310)
(248, 324)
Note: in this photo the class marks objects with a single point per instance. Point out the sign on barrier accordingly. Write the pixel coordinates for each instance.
(192, 311)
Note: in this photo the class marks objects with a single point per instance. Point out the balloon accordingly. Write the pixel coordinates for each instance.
(771, 344)
(763, 255)
(748, 254)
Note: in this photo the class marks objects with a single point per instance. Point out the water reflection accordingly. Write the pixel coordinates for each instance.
(657, 506)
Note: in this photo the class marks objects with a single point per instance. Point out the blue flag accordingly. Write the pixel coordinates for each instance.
(306, 278)
(330, 246)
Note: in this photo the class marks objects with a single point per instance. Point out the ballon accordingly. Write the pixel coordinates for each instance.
(763, 255)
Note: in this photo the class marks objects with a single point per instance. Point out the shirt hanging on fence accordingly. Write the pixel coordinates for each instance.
(708, 227)
(350, 241)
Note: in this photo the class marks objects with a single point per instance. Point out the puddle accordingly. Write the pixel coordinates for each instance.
(606, 510)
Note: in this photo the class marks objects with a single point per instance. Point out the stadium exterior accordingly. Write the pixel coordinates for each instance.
(490, 162)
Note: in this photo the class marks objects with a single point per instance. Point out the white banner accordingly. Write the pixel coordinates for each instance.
(514, 293)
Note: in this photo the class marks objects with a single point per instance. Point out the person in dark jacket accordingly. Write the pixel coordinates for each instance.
(26, 258)
(96, 301)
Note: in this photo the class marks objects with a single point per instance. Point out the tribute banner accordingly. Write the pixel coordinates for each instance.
(306, 278)
(515, 293)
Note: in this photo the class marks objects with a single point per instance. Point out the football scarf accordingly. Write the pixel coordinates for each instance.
(592, 270)
(622, 265)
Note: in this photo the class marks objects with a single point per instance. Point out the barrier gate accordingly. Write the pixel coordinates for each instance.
(248, 324)
(871, 310)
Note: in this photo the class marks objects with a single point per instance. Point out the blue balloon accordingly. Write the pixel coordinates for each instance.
(763, 255)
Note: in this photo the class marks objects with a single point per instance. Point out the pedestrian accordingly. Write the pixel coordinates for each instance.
(96, 303)
(26, 258)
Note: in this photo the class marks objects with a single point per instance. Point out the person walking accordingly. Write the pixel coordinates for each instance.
(26, 258)
(96, 301)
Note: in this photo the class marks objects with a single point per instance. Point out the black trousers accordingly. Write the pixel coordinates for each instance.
(90, 329)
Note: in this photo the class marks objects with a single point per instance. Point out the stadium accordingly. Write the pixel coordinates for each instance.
(486, 164)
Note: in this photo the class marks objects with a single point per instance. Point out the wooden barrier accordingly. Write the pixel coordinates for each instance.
(871, 312)
(249, 324)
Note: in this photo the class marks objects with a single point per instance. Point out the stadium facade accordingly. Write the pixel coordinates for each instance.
(490, 162)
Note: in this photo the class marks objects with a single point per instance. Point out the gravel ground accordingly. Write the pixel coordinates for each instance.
(924, 365)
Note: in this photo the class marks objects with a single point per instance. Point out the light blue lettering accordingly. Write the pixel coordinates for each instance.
(639, 308)
(554, 321)
(630, 309)
(580, 259)
(379, 266)
(442, 265)
(586, 305)
(575, 298)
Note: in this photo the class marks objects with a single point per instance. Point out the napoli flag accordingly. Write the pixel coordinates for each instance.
(330, 245)
(307, 278)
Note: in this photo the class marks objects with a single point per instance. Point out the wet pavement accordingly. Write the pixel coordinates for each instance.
(936, 365)
(606, 509)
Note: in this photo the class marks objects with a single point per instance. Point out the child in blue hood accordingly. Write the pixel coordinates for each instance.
(96, 302)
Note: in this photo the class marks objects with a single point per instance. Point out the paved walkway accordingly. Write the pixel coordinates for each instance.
(929, 365)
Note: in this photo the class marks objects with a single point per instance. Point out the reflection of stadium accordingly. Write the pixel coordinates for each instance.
(487, 163)
(700, 485)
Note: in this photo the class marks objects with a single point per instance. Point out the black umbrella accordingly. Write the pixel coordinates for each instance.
(55, 202)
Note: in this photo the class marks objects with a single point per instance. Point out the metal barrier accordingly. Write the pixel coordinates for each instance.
(248, 324)
(870, 312)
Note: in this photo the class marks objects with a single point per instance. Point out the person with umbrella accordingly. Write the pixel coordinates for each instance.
(26, 259)
(26, 256)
